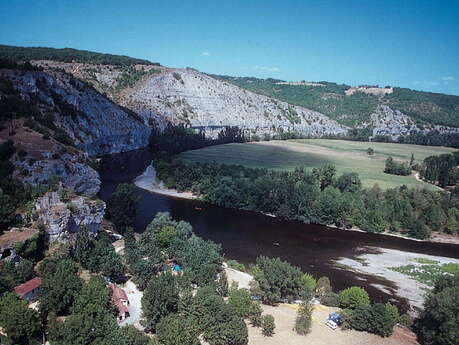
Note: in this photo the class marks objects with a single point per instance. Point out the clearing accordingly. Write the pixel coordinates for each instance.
(347, 156)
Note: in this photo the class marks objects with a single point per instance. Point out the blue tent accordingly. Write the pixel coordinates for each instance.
(335, 317)
(176, 268)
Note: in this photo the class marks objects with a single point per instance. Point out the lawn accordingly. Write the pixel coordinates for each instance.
(347, 156)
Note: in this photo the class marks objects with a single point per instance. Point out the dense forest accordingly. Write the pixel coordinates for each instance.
(317, 196)
(21, 54)
(441, 170)
(175, 139)
(330, 99)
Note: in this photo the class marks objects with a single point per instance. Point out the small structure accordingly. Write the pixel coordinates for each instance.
(29, 290)
(334, 320)
(121, 301)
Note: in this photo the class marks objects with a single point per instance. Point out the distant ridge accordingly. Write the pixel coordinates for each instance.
(19, 54)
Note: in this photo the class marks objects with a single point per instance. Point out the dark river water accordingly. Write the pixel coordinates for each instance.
(245, 235)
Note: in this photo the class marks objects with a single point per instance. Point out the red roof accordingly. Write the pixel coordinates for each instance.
(28, 286)
(118, 296)
(121, 307)
(118, 293)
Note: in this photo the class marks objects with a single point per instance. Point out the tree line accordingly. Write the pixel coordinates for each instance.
(318, 196)
(22, 54)
(441, 170)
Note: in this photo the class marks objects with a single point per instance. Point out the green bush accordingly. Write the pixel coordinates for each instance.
(371, 318)
(353, 297)
(303, 321)
(174, 329)
(323, 287)
(277, 279)
(267, 325)
(240, 301)
(330, 299)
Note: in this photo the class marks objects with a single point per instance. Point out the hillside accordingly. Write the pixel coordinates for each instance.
(354, 106)
(163, 95)
(262, 107)
(56, 121)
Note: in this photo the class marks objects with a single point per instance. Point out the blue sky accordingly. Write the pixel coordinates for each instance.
(411, 44)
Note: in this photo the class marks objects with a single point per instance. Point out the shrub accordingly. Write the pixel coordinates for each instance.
(222, 284)
(240, 300)
(278, 279)
(177, 330)
(353, 297)
(255, 314)
(323, 287)
(267, 325)
(330, 299)
(371, 318)
(303, 321)
(393, 311)
(236, 265)
(406, 321)
(437, 324)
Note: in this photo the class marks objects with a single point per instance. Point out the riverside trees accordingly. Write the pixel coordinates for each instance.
(316, 197)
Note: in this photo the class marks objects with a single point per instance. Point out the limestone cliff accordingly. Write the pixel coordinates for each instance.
(63, 216)
(96, 124)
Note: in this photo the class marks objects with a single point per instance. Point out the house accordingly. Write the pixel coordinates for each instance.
(29, 290)
(121, 301)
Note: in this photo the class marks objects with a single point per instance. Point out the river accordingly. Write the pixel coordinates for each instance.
(244, 235)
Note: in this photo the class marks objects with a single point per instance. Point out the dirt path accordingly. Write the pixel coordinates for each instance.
(135, 305)
(241, 278)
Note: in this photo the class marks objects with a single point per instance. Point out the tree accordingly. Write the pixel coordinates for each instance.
(217, 321)
(93, 292)
(393, 311)
(20, 323)
(267, 325)
(303, 321)
(278, 279)
(129, 335)
(370, 151)
(159, 299)
(60, 288)
(330, 299)
(92, 320)
(222, 284)
(371, 318)
(240, 300)
(437, 324)
(121, 207)
(174, 329)
(255, 314)
(353, 297)
(323, 287)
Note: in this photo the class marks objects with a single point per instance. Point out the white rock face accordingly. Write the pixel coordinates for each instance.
(63, 218)
(389, 122)
(97, 125)
(74, 174)
(188, 96)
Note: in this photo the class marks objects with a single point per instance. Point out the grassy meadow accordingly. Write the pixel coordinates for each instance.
(347, 156)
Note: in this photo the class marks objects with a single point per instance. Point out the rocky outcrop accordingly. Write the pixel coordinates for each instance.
(62, 218)
(97, 125)
(167, 95)
(389, 122)
(42, 159)
(190, 97)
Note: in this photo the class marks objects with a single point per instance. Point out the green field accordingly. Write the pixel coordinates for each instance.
(347, 156)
